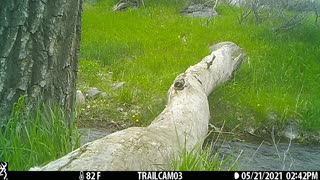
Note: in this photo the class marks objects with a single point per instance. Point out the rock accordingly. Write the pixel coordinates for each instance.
(250, 130)
(80, 99)
(272, 116)
(199, 10)
(92, 93)
(292, 130)
(118, 85)
(104, 95)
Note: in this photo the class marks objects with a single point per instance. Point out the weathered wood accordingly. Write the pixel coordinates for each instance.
(39, 47)
(124, 4)
(182, 124)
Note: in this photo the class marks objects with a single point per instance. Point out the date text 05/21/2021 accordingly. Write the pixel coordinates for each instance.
(290, 175)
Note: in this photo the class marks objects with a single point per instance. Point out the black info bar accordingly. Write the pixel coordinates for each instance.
(162, 175)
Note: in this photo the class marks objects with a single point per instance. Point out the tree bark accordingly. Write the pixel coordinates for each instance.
(39, 48)
(182, 124)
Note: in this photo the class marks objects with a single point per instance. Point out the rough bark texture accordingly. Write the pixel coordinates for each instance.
(182, 124)
(39, 47)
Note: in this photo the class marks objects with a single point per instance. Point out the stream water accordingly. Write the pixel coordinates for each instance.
(251, 156)
(271, 157)
(91, 134)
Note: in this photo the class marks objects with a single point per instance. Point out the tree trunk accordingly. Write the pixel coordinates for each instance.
(39, 48)
(182, 124)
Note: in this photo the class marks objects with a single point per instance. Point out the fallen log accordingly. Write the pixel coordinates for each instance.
(182, 124)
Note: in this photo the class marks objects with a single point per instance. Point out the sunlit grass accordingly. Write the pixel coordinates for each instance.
(203, 159)
(144, 48)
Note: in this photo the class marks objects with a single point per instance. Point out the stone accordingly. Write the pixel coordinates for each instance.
(118, 85)
(272, 116)
(291, 130)
(250, 130)
(104, 95)
(92, 93)
(80, 98)
(199, 10)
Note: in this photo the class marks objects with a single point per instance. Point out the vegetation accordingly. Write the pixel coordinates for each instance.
(35, 139)
(202, 160)
(205, 158)
(147, 48)
(277, 84)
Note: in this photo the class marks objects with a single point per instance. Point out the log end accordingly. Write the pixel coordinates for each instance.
(237, 53)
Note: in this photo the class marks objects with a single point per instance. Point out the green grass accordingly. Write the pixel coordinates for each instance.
(144, 48)
(32, 140)
(203, 159)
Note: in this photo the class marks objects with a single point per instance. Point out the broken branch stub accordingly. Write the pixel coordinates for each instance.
(182, 124)
(123, 5)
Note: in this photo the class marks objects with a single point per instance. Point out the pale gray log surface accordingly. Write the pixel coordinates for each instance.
(182, 124)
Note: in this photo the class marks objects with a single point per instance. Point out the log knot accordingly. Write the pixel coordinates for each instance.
(179, 84)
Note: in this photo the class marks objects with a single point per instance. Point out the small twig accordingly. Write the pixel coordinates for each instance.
(274, 142)
(235, 128)
(216, 1)
(291, 164)
(224, 132)
(219, 133)
(317, 15)
(256, 151)
(292, 23)
(286, 152)
(215, 5)
(234, 163)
